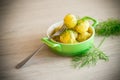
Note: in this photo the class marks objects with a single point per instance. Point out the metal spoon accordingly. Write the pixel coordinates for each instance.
(19, 65)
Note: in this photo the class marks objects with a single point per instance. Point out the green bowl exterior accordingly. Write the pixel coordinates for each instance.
(70, 49)
(75, 49)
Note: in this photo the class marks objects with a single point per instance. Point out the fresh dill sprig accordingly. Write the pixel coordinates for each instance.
(90, 58)
(110, 27)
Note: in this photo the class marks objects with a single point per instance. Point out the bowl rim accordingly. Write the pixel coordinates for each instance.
(60, 23)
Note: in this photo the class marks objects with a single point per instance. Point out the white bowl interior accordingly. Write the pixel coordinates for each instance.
(52, 27)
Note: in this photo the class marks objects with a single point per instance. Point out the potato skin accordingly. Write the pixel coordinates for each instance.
(82, 26)
(68, 36)
(70, 21)
(83, 36)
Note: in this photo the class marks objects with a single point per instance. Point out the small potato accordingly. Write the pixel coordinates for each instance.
(84, 36)
(82, 26)
(70, 21)
(68, 36)
(90, 30)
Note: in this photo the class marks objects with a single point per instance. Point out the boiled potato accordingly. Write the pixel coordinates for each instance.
(70, 21)
(82, 26)
(90, 30)
(68, 36)
(77, 30)
(83, 36)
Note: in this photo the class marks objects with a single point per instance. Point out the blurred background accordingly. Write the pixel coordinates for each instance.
(24, 22)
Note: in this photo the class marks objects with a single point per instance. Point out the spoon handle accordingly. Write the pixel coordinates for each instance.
(19, 65)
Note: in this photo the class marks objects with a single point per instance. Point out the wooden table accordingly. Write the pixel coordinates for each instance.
(24, 22)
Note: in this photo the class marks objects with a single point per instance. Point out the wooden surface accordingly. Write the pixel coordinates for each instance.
(24, 22)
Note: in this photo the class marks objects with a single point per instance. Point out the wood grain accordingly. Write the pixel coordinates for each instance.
(24, 22)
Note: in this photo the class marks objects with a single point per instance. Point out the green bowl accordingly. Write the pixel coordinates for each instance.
(69, 49)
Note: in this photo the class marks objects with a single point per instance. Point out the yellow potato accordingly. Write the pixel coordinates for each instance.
(70, 20)
(82, 26)
(90, 30)
(68, 36)
(84, 36)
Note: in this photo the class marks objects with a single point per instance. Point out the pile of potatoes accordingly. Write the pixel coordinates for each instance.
(77, 30)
